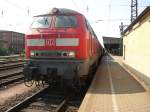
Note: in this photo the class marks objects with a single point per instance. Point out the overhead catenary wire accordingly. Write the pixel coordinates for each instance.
(109, 9)
(2, 13)
(25, 9)
(5, 13)
(85, 5)
(13, 4)
(122, 5)
(74, 3)
(109, 15)
(77, 6)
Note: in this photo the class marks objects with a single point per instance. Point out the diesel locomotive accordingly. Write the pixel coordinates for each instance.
(60, 46)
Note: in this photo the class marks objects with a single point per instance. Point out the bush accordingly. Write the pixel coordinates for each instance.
(3, 49)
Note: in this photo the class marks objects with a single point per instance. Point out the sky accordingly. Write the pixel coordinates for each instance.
(105, 16)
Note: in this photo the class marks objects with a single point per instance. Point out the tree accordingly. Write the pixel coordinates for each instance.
(3, 48)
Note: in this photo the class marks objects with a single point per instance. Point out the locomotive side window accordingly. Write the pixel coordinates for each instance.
(65, 21)
(91, 30)
(88, 26)
(41, 22)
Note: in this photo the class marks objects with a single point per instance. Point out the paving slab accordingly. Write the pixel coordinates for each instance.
(115, 90)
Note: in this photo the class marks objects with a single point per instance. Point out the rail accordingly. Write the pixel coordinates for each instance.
(21, 104)
(10, 73)
(11, 57)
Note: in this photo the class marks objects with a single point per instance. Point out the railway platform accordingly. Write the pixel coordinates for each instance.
(113, 89)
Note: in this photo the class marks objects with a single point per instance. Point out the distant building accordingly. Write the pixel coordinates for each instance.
(14, 41)
(136, 46)
(113, 45)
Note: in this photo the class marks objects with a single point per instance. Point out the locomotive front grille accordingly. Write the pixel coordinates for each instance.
(52, 54)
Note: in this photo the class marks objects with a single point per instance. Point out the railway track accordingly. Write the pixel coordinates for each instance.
(22, 102)
(11, 65)
(10, 61)
(47, 100)
(10, 73)
(11, 80)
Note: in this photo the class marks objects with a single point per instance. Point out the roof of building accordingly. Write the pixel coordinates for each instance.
(137, 19)
(5, 31)
(10, 31)
(108, 37)
(111, 40)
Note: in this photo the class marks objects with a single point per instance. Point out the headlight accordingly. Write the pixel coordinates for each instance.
(68, 54)
(32, 53)
(71, 54)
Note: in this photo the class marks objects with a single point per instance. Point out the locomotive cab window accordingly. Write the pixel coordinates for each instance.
(65, 21)
(41, 22)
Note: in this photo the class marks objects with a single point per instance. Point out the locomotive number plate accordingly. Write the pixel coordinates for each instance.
(50, 42)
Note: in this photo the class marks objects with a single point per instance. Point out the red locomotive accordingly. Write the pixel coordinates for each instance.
(61, 46)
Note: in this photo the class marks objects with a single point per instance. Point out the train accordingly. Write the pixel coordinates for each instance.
(62, 47)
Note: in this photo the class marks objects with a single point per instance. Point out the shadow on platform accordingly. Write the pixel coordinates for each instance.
(123, 82)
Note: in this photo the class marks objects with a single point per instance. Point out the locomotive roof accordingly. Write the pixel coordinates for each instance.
(61, 11)
(65, 11)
